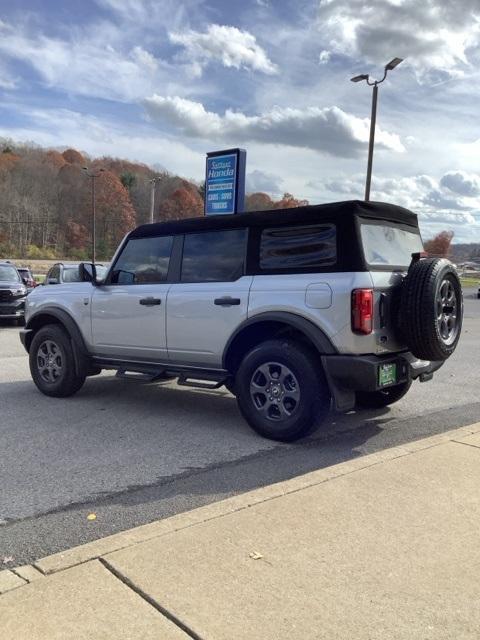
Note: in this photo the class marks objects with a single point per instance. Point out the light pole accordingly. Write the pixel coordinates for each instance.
(388, 67)
(153, 182)
(93, 176)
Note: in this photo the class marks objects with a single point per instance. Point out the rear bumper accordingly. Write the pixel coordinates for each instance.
(348, 374)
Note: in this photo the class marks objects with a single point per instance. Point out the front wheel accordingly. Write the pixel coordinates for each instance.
(281, 390)
(382, 398)
(52, 362)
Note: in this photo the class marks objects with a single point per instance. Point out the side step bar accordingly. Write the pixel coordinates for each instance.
(201, 380)
(151, 372)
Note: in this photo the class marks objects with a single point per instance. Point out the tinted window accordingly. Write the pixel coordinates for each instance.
(9, 274)
(143, 261)
(217, 256)
(298, 247)
(386, 245)
(54, 273)
(71, 274)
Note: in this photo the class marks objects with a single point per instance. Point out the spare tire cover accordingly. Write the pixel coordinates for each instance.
(431, 309)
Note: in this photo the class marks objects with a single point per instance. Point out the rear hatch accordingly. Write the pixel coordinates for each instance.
(387, 248)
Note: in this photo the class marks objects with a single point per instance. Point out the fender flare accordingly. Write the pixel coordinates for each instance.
(318, 337)
(80, 351)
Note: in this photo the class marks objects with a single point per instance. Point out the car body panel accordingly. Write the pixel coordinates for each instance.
(197, 328)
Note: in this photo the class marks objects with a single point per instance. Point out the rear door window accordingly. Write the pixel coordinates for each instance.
(214, 256)
(386, 245)
(298, 247)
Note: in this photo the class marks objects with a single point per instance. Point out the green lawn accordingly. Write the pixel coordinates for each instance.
(470, 282)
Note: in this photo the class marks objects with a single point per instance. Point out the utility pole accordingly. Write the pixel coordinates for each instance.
(93, 176)
(153, 184)
(388, 67)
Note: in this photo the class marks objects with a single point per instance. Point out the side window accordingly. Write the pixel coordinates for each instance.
(214, 256)
(143, 261)
(298, 247)
(53, 273)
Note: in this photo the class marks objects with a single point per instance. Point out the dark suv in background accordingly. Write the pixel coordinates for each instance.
(13, 293)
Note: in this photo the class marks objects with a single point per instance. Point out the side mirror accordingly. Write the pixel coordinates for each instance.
(52, 281)
(88, 273)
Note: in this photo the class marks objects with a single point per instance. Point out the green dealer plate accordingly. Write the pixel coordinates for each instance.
(387, 374)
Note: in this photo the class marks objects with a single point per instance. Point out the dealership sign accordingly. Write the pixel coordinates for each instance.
(225, 182)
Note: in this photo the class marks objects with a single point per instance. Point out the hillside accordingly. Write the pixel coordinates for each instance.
(46, 207)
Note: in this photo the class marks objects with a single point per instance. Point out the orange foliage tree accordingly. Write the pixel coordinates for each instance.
(182, 203)
(258, 202)
(440, 244)
(289, 202)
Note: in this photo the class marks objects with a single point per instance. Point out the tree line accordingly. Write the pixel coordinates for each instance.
(46, 207)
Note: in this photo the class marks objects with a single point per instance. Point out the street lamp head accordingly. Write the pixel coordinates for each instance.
(363, 76)
(393, 63)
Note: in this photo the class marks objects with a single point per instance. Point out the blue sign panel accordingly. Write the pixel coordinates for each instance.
(225, 182)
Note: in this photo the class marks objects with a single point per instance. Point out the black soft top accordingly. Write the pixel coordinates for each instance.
(333, 212)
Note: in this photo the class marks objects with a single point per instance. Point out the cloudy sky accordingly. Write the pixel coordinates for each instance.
(165, 81)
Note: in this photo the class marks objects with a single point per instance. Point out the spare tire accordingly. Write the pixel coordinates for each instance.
(431, 309)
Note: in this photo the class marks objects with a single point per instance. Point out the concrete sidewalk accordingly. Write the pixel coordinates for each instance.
(385, 546)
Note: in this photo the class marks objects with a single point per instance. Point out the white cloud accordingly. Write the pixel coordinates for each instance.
(438, 209)
(228, 45)
(462, 183)
(98, 137)
(433, 35)
(329, 130)
(98, 64)
(324, 57)
(258, 180)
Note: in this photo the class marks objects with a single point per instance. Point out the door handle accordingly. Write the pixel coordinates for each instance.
(227, 301)
(150, 302)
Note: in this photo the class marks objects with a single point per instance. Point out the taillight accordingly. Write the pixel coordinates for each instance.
(362, 311)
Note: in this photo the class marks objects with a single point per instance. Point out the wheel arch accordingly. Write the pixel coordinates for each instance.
(269, 325)
(52, 315)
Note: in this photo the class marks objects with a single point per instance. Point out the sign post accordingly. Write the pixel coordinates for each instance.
(225, 182)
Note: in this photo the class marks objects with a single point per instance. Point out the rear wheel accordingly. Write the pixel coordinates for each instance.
(382, 398)
(52, 362)
(281, 390)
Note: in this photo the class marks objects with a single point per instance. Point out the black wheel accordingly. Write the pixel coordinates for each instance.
(379, 399)
(431, 309)
(281, 390)
(52, 362)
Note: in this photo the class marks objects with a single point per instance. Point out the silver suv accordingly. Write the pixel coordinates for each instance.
(292, 311)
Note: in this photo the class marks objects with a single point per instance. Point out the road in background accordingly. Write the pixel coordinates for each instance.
(132, 453)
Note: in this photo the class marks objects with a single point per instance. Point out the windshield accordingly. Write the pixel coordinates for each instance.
(9, 274)
(389, 246)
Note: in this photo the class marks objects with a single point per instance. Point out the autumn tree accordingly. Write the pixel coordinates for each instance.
(258, 202)
(183, 203)
(439, 245)
(289, 202)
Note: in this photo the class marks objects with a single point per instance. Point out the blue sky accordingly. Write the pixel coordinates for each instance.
(165, 81)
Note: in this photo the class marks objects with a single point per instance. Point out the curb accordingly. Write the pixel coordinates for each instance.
(12, 579)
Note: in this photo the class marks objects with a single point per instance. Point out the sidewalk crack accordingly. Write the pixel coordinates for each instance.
(167, 614)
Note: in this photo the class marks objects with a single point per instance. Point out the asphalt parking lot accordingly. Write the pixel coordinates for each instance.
(132, 453)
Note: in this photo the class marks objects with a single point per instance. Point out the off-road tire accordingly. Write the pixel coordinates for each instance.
(428, 327)
(303, 379)
(66, 382)
(382, 398)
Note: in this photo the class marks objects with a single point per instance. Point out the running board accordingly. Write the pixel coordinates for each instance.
(201, 381)
(139, 376)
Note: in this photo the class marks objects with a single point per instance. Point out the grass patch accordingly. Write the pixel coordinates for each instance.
(470, 282)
